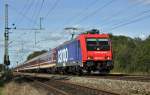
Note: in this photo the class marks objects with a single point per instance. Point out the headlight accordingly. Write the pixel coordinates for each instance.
(107, 57)
(90, 57)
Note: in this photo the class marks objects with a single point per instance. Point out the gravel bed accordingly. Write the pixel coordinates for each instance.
(118, 86)
(122, 87)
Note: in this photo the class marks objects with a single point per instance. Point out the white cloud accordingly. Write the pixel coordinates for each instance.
(143, 1)
(142, 36)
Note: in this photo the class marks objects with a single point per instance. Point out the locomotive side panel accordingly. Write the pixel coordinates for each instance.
(69, 54)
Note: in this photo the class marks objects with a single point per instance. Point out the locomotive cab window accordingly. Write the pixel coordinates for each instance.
(97, 44)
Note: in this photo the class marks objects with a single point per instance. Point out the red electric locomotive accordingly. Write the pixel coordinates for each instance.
(89, 51)
(96, 51)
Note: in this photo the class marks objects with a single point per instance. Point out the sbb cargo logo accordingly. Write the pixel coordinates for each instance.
(63, 55)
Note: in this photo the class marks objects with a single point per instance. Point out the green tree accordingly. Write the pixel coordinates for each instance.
(131, 55)
(35, 53)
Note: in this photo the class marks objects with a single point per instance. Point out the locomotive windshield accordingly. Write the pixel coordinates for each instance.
(97, 44)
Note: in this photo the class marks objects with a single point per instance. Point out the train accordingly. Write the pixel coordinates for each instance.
(88, 52)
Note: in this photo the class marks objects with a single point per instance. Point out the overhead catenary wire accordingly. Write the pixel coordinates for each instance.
(35, 9)
(83, 11)
(30, 19)
(130, 22)
(136, 16)
(95, 11)
(109, 19)
(40, 9)
(80, 13)
(24, 15)
(52, 8)
(25, 11)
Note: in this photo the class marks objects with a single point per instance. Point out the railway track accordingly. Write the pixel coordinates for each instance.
(52, 90)
(57, 87)
(83, 85)
(140, 78)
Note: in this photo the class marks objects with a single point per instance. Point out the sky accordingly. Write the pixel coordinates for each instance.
(119, 17)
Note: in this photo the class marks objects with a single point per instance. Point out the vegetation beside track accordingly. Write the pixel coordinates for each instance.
(5, 77)
(131, 55)
(1, 91)
(1, 86)
(20, 86)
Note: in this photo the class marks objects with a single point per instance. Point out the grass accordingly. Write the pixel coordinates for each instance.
(1, 87)
(1, 91)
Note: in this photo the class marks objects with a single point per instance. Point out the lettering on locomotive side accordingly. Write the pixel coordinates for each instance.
(63, 55)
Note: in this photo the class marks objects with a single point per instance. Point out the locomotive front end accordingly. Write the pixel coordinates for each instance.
(97, 52)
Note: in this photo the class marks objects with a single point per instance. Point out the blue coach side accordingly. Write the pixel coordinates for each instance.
(69, 54)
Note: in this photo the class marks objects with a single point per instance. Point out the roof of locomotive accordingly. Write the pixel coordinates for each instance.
(85, 35)
(96, 35)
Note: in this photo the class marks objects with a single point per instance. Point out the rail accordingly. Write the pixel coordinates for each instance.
(140, 78)
(58, 87)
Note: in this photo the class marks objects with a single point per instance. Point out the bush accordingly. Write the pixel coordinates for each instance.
(131, 55)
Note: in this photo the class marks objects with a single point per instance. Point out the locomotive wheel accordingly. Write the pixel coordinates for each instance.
(79, 71)
(88, 71)
(104, 71)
